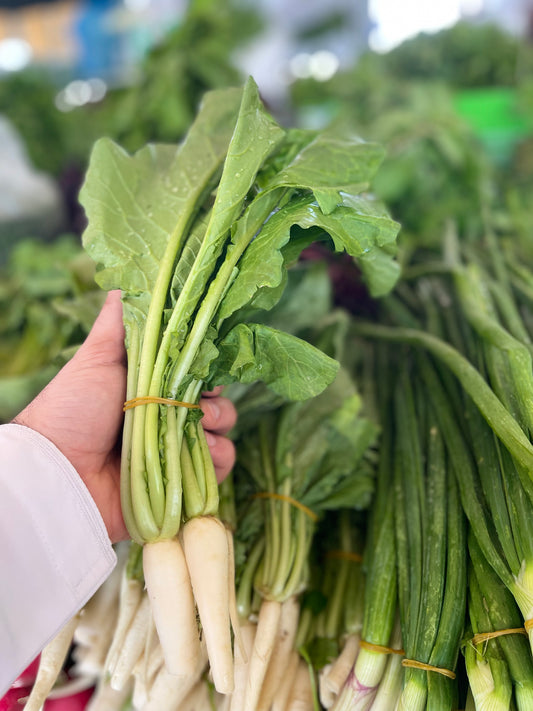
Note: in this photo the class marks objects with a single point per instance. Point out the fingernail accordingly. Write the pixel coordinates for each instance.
(214, 410)
(210, 439)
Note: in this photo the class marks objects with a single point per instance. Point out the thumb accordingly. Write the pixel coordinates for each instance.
(107, 334)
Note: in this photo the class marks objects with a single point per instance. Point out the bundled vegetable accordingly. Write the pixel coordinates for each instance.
(194, 236)
(305, 459)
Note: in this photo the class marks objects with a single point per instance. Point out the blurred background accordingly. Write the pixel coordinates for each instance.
(446, 87)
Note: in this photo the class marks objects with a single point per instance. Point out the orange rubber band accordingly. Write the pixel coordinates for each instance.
(149, 400)
(481, 637)
(528, 625)
(414, 664)
(380, 648)
(281, 497)
(346, 555)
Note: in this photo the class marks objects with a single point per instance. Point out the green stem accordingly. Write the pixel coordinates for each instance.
(125, 478)
(498, 417)
(217, 288)
(245, 590)
(304, 534)
(173, 488)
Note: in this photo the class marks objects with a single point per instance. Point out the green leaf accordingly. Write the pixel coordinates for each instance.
(330, 165)
(288, 365)
(133, 202)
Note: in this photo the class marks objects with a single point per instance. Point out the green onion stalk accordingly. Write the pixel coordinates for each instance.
(486, 667)
(497, 612)
(513, 568)
(391, 684)
(503, 357)
(431, 545)
(379, 566)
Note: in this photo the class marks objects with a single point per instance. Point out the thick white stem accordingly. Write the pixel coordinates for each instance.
(133, 646)
(281, 699)
(332, 678)
(168, 692)
(170, 593)
(205, 545)
(264, 643)
(131, 592)
(105, 698)
(288, 626)
(102, 607)
(301, 697)
(50, 664)
(242, 664)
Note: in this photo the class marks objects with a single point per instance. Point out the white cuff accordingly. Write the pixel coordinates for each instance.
(54, 548)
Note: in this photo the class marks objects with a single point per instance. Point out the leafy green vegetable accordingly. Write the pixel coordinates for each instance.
(196, 233)
(48, 300)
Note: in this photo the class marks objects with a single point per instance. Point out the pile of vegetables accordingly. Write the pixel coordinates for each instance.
(199, 237)
(372, 547)
(48, 302)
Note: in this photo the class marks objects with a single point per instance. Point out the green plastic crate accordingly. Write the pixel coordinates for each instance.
(496, 119)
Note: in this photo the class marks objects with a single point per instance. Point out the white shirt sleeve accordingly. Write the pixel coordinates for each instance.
(54, 548)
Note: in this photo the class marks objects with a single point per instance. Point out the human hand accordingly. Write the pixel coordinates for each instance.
(80, 411)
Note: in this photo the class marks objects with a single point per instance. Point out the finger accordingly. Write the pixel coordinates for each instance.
(214, 392)
(107, 332)
(220, 414)
(222, 453)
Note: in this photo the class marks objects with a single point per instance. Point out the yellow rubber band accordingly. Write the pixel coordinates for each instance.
(149, 400)
(528, 625)
(481, 637)
(414, 664)
(281, 497)
(380, 648)
(346, 555)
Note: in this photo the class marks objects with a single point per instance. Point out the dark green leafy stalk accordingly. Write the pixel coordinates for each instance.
(186, 322)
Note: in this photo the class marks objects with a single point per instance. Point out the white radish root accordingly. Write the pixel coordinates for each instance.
(264, 643)
(105, 698)
(281, 699)
(131, 592)
(205, 545)
(50, 664)
(167, 692)
(198, 698)
(139, 695)
(133, 647)
(170, 593)
(90, 660)
(288, 626)
(97, 612)
(242, 663)
(333, 677)
(301, 696)
(325, 695)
